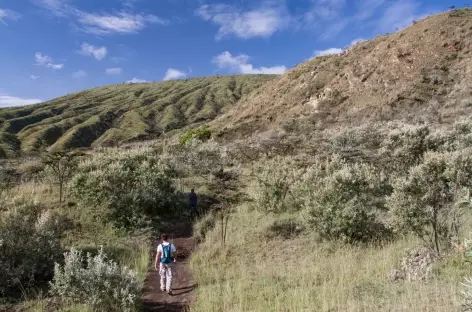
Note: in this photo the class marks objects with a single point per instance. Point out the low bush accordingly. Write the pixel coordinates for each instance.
(29, 244)
(404, 148)
(275, 181)
(423, 202)
(101, 285)
(200, 134)
(130, 190)
(343, 201)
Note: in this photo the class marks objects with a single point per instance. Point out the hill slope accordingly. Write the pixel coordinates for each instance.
(120, 113)
(421, 73)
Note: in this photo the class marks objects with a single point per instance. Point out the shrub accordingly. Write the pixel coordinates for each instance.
(459, 137)
(196, 157)
(8, 177)
(343, 201)
(423, 202)
(275, 183)
(129, 189)
(353, 143)
(201, 134)
(29, 244)
(102, 284)
(404, 148)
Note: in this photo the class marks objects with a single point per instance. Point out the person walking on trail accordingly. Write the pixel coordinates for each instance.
(165, 257)
(192, 200)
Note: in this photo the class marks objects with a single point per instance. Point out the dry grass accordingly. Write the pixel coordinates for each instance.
(40, 192)
(253, 273)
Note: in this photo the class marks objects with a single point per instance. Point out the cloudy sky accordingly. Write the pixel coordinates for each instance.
(54, 47)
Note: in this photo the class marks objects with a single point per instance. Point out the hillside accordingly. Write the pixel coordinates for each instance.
(421, 73)
(120, 113)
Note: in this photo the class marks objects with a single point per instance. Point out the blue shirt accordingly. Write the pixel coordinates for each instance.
(192, 198)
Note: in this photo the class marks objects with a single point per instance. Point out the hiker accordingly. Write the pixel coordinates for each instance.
(165, 257)
(192, 201)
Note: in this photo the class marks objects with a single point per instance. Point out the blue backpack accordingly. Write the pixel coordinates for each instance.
(167, 254)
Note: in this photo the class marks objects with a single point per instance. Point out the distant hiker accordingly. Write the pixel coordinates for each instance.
(165, 257)
(192, 201)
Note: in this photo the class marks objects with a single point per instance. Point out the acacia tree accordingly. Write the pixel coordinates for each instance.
(60, 166)
(423, 202)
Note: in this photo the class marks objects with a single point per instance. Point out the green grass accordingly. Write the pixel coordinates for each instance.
(117, 114)
(259, 272)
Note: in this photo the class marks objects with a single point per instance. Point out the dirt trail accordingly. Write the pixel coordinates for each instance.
(183, 285)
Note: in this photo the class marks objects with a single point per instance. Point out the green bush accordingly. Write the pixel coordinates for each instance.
(201, 134)
(404, 148)
(275, 181)
(196, 157)
(128, 189)
(101, 285)
(352, 143)
(457, 138)
(29, 244)
(343, 201)
(423, 202)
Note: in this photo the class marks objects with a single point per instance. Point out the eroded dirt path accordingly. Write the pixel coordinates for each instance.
(183, 285)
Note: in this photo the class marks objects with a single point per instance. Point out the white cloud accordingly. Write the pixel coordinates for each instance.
(129, 3)
(356, 41)
(118, 59)
(120, 23)
(334, 51)
(46, 61)
(330, 51)
(56, 66)
(399, 14)
(325, 10)
(7, 100)
(123, 22)
(136, 80)
(173, 74)
(113, 71)
(89, 50)
(79, 74)
(367, 9)
(6, 14)
(260, 22)
(56, 7)
(239, 64)
(34, 77)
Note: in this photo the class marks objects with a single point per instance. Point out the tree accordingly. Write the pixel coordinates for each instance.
(60, 167)
(131, 190)
(423, 202)
(343, 201)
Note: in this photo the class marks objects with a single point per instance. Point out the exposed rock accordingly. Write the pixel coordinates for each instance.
(415, 266)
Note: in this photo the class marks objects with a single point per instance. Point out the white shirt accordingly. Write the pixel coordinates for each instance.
(172, 247)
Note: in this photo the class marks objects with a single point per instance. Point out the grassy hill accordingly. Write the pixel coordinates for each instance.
(419, 74)
(117, 114)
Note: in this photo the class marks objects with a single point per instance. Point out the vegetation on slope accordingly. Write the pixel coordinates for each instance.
(117, 114)
(379, 228)
(418, 74)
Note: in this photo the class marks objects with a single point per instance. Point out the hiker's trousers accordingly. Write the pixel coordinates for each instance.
(165, 271)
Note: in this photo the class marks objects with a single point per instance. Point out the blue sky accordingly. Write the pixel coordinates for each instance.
(55, 47)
